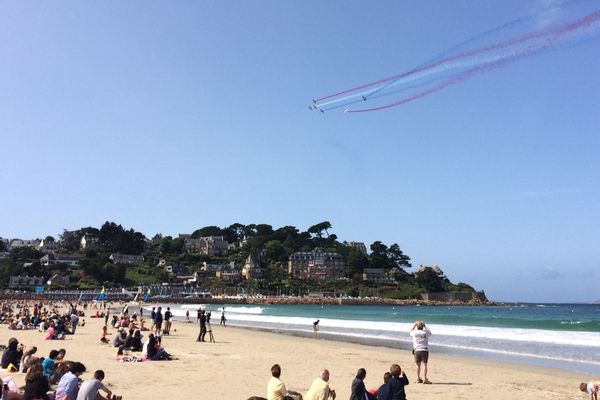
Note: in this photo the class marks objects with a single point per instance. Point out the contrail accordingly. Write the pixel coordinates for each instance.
(587, 21)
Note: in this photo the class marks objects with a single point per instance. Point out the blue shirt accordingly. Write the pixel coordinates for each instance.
(67, 387)
(48, 367)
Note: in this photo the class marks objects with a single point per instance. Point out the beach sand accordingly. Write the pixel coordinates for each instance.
(238, 366)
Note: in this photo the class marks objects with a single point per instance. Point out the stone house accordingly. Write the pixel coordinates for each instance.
(316, 264)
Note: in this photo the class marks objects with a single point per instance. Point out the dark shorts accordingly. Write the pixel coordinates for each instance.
(158, 326)
(421, 356)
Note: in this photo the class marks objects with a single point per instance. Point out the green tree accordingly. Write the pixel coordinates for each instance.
(70, 240)
(234, 233)
(276, 251)
(208, 231)
(318, 229)
(397, 258)
(429, 280)
(379, 255)
(356, 262)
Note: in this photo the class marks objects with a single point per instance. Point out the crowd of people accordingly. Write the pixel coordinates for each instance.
(52, 376)
(392, 387)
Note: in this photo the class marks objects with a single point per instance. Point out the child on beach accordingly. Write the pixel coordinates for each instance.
(592, 388)
(103, 335)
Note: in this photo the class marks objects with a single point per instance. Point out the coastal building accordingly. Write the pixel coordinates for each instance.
(229, 273)
(209, 245)
(396, 274)
(316, 264)
(435, 269)
(71, 260)
(25, 282)
(48, 246)
(16, 243)
(88, 242)
(374, 275)
(129, 259)
(360, 246)
(251, 269)
(170, 268)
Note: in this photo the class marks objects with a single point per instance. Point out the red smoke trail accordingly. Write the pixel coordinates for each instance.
(470, 53)
(588, 20)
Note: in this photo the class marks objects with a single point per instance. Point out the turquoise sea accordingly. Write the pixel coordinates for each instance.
(564, 336)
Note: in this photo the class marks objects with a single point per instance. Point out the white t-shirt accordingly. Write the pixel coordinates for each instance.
(89, 389)
(420, 339)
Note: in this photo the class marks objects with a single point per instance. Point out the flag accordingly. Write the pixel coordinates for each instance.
(101, 295)
(147, 296)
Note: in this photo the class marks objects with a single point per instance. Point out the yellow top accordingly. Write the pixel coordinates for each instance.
(319, 390)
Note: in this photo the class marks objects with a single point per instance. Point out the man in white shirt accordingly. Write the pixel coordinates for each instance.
(420, 335)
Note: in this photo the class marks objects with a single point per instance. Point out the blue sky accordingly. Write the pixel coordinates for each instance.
(167, 117)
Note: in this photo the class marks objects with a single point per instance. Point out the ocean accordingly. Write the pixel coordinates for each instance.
(565, 336)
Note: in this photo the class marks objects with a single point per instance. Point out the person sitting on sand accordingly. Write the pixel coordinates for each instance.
(49, 363)
(119, 338)
(50, 333)
(383, 393)
(396, 383)
(358, 390)
(12, 354)
(36, 384)
(276, 389)
(89, 389)
(592, 388)
(154, 351)
(136, 341)
(68, 387)
(59, 371)
(320, 390)
(103, 335)
(27, 359)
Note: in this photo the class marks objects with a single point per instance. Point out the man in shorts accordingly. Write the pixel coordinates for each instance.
(420, 336)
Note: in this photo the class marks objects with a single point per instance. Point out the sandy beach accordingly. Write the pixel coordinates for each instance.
(238, 365)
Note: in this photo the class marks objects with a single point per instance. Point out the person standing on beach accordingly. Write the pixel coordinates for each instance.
(168, 316)
(158, 320)
(211, 337)
(316, 326)
(152, 317)
(202, 320)
(420, 336)
(222, 317)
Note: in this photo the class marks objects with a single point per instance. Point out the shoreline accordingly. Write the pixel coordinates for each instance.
(245, 356)
(525, 361)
